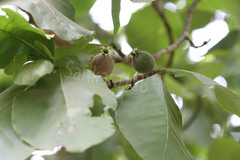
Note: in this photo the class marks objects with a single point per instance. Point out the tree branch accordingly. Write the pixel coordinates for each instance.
(132, 81)
(185, 33)
(117, 50)
(158, 5)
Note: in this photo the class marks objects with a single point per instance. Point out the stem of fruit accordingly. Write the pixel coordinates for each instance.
(169, 49)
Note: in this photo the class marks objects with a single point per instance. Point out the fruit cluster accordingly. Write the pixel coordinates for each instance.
(103, 63)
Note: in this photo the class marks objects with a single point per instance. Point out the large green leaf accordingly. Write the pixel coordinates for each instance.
(16, 63)
(31, 72)
(146, 30)
(11, 146)
(75, 55)
(56, 111)
(76, 49)
(228, 99)
(116, 5)
(54, 15)
(149, 118)
(19, 37)
(223, 149)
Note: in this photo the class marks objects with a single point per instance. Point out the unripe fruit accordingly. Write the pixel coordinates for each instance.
(102, 64)
(142, 62)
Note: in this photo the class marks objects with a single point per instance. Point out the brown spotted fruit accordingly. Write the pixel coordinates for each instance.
(142, 62)
(103, 63)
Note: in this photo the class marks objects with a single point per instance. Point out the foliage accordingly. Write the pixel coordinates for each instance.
(49, 97)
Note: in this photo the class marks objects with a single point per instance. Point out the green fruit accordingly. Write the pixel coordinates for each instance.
(142, 62)
(102, 64)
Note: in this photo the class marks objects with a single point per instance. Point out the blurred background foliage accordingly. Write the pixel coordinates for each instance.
(212, 133)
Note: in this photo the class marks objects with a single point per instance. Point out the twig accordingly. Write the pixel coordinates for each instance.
(193, 45)
(117, 50)
(195, 114)
(132, 81)
(158, 5)
(185, 33)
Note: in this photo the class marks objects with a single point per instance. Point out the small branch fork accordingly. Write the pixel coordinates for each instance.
(158, 5)
(185, 33)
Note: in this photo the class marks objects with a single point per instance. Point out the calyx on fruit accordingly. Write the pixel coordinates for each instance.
(102, 63)
(142, 62)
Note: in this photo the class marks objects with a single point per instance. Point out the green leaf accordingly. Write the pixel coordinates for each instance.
(147, 32)
(229, 8)
(5, 80)
(225, 97)
(199, 14)
(224, 148)
(7, 96)
(82, 8)
(19, 37)
(31, 72)
(16, 63)
(80, 61)
(42, 48)
(11, 146)
(56, 111)
(148, 116)
(205, 80)
(116, 7)
(54, 15)
(228, 99)
(76, 49)
(74, 56)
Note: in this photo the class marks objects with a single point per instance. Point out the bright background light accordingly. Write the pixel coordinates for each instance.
(214, 31)
(101, 13)
(221, 80)
(234, 120)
